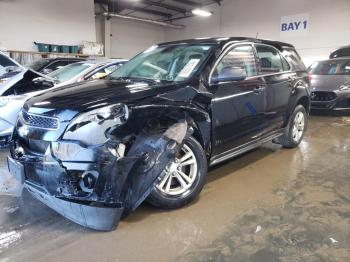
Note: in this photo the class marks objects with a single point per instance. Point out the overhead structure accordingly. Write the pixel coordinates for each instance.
(161, 12)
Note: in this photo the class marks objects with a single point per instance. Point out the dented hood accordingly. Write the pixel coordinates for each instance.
(92, 94)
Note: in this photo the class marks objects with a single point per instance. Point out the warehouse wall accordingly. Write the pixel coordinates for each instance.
(48, 21)
(329, 23)
(131, 37)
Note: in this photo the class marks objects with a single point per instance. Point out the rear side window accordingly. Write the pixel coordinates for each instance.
(270, 60)
(285, 65)
(294, 59)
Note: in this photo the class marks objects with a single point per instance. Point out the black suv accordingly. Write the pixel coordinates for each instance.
(95, 151)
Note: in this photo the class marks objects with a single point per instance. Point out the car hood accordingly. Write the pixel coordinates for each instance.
(88, 95)
(328, 82)
(22, 78)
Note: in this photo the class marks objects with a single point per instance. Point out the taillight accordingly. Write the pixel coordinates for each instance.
(309, 78)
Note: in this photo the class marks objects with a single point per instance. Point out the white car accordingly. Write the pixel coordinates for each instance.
(28, 83)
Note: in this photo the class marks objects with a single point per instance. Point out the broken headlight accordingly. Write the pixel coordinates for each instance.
(3, 80)
(114, 114)
(91, 127)
(4, 101)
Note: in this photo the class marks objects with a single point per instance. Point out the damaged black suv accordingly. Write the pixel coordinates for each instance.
(95, 151)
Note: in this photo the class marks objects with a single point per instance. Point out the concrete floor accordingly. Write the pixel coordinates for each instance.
(271, 204)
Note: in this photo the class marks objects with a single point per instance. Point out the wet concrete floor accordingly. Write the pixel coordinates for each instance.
(271, 204)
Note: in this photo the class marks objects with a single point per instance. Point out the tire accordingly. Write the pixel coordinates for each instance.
(292, 137)
(177, 195)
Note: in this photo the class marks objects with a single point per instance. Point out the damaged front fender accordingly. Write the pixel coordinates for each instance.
(95, 185)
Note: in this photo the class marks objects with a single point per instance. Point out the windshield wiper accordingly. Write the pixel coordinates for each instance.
(139, 79)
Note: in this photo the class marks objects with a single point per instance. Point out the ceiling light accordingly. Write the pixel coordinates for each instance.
(201, 12)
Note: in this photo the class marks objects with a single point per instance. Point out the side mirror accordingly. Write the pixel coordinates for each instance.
(228, 74)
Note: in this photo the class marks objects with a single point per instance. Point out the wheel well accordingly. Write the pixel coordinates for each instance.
(305, 102)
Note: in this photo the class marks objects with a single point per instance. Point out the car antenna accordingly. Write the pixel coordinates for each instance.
(257, 34)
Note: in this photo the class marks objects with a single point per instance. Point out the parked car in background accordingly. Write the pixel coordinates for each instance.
(48, 65)
(95, 152)
(86, 70)
(330, 84)
(13, 96)
(341, 52)
(9, 68)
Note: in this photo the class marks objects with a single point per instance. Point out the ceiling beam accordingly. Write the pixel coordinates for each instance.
(166, 6)
(188, 2)
(148, 11)
(118, 6)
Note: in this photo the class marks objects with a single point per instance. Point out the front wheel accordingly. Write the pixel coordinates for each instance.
(295, 129)
(183, 180)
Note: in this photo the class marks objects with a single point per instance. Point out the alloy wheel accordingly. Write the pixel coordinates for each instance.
(298, 127)
(181, 174)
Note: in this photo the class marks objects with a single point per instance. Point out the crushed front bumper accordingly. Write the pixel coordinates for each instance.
(57, 186)
(94, 185)
(95, 217)
(341, 102)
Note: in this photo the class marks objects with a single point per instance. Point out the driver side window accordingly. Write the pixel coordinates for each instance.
(239, 57)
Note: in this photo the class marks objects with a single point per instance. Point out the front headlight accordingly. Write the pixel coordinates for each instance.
(118, 114)
(3, 80)
(344, 87)
(4, 101)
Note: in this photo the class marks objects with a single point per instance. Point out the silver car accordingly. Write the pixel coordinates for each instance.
(30, 83)
(330, 84)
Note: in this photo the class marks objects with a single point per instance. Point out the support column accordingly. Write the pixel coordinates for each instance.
(107, 36)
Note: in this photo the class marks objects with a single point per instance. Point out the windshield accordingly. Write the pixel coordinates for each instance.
(330, 67)
(69, 72)
(172, 63)
(36, 65)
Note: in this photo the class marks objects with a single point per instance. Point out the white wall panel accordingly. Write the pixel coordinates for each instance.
(329, 23)
(48, 21)
(131, 37)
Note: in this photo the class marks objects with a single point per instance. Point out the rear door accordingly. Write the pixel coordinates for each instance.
(238, 107)
(279, 78)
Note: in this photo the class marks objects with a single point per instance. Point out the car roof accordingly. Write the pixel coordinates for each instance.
(64, 58)
(221, 41)
(340, 58)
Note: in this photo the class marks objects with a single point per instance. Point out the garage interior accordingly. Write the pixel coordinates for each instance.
(268, 204)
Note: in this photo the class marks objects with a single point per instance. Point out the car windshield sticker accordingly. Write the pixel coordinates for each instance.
(187, 70)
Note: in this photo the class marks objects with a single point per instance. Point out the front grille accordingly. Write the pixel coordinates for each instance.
(40, 121)
(323, 96)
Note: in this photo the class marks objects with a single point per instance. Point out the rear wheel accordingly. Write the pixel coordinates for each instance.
(296, 128)
(183, 180)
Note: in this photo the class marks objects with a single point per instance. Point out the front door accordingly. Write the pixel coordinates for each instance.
(238, 107)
